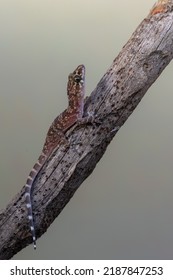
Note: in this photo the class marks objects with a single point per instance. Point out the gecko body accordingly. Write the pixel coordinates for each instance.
(56, 134)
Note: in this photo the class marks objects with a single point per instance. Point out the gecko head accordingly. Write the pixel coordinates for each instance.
(77, 78)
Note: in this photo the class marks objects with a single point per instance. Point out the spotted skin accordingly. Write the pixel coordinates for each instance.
(56, 134)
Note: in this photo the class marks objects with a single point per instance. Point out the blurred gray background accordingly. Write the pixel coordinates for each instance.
(124, 210)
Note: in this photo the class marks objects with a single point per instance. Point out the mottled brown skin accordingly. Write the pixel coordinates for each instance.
(56, 133)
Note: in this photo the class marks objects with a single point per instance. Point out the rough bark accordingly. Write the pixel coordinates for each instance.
(122, 87)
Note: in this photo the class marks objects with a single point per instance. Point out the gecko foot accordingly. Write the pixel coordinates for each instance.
(89, 119)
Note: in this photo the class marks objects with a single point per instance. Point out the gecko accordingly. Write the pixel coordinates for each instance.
(56, 134)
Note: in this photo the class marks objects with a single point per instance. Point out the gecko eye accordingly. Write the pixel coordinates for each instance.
(77, 79)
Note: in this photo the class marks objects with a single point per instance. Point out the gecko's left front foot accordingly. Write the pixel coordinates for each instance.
(89, 119)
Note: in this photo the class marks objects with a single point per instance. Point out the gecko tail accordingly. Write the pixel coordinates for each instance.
(30, 213)
(28, 194)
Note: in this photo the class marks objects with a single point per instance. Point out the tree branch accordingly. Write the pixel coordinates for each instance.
(135, 69)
